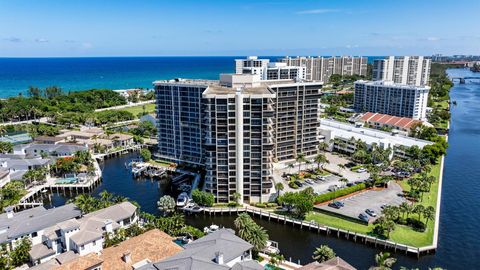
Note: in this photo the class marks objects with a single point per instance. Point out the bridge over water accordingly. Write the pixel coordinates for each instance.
(462, 80)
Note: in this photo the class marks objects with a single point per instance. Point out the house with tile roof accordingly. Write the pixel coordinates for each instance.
(385, 121)
(220, 250)
(336, 263)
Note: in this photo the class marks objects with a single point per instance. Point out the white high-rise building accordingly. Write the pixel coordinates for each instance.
(321, 68)
(390, 98)
(409, 70)
(269, 71)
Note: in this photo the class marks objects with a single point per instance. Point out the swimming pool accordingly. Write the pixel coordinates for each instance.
(68, 180)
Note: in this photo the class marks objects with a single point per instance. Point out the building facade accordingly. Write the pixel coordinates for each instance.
(246, 124)
(321, 68)
(409, 70)
(296, 119)
(393, 99)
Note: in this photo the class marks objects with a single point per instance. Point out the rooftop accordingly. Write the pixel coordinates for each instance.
(35, 219)
(402, 122)
(392, 84)
(221, 90)
(333, 264)
(369, 135)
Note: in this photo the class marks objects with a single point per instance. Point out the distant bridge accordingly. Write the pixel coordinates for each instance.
(463, 79)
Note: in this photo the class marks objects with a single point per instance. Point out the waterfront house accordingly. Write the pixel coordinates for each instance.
(17, 167)
(221, 250)
(32, 223)
(48, 140)
(54, 150)
(385, 121)
(333, 264)
(121, 140)
(153, 245)
(83, 235)
(73, 135)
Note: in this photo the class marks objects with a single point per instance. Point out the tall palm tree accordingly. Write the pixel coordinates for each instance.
(251, 232)
(418, 209)
(383, 261)
(323, 253)
(243, 223)
(279, 187)
(429, 214)
(300, 158)
(290, 166)
(320, 159)
(403, 208)
(322, 146)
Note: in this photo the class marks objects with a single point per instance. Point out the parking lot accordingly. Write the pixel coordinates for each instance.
(372, 199)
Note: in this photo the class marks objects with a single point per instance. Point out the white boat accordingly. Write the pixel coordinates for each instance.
(182, 199)
(271, 247)
(211, 229)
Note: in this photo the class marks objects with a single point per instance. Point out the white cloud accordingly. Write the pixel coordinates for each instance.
(318, 11)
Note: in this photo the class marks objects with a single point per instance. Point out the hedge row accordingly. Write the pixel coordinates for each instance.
(339, 193)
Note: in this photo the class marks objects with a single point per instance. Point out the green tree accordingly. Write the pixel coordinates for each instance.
(383, 261)
(323, 253)
(236, 197)
(146, 155)
(251, 232)
(20, 255)
(6, 147)
(300, 158)
(203, 198)
(166, 204)
(320, 159)
(279, 187)
(429, 214)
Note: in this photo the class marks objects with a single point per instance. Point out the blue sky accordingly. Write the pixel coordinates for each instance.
(154, 27)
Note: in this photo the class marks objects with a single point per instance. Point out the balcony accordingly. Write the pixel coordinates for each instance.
(267, 141)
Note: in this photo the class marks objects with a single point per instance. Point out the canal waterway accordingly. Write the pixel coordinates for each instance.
(458, 246)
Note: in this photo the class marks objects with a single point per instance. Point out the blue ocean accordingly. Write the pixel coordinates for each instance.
(76, 74)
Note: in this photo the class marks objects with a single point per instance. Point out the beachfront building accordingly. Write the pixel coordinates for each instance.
(238, 130)
(36, 150)
(409, 70)
(343, 137)
(17, 167)
(393, 99)
(220, 250)
(269, 71)
(321, 68)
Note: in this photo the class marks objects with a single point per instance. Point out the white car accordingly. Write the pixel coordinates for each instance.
(361, 170)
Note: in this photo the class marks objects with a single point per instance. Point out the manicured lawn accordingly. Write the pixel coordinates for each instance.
(135, 110)
(339, 222)
(401, 234)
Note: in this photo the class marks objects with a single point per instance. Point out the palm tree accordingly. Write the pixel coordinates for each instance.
(403, 208)
(251, 232)
(290, 166)
(320, 159)
(279, 187)
(429, 214)
(323, 253)
(300, 158)
(243, 223)
(418, 209)
(322, 146)
(276, 259)
(236, 197)
(383, 261)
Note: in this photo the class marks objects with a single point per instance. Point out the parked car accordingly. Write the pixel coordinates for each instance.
(363, 217)
(321, 178)
(358, 182)
(384, 206)
(299, 184)
(332, 188)
(371, 212)
(361, 170)
(308, 181)
(349, 184)
(336, 204)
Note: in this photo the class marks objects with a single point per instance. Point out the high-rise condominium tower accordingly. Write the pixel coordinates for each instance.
(409, 70)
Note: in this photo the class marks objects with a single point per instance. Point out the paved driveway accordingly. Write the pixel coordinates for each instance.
(356, 204)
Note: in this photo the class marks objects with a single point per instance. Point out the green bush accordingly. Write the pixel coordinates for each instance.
(272, 205)
(261, 205)
(203, 198)
(416, 224)
(292, 185)
(232, 204)
(339, 193)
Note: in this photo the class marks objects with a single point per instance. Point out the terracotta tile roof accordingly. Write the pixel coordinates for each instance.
(153, 245)
(88, 261)
(385, 119)
(333, 264)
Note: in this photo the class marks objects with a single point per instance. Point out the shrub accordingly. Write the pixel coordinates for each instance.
(416, 224)
(342, 192)
(203, 198)
(232, 204)
(261, 205)
(272, 205)
(292, 185)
